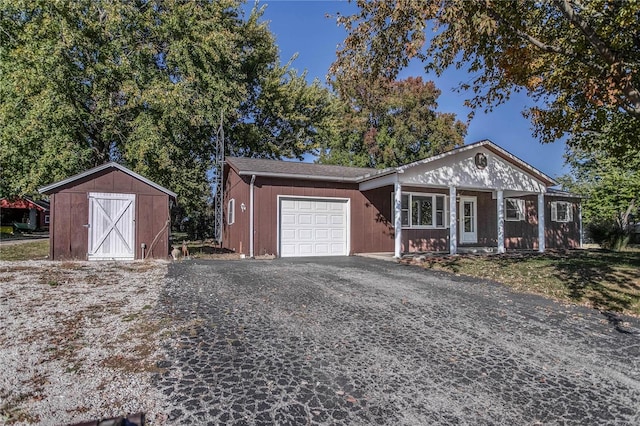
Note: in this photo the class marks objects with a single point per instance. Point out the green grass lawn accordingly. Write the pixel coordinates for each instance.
(32, 250)
(601, 279)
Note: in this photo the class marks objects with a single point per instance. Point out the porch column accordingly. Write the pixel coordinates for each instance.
(541, 242)
(500, 221)
(453, 221)
(397, 205)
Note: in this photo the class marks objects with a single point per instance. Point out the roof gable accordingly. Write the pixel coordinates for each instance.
(488, 147)
(459, 168)
(57, 185)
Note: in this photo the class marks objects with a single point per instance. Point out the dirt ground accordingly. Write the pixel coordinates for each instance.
(79, 341)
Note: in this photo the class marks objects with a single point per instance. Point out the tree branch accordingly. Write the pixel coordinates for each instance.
(621, 77)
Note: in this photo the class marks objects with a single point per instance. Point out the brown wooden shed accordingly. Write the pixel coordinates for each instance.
(109, 213)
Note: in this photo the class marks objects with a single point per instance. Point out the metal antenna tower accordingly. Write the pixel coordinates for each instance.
(218, 199)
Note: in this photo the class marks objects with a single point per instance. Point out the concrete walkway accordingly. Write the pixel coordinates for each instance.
(360, 341)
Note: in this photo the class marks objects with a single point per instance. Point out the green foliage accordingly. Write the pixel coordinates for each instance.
(389, 123)
(611, 187)
(579, 60)
(143, 83)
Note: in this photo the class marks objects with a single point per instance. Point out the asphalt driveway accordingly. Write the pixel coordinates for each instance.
(360, 341)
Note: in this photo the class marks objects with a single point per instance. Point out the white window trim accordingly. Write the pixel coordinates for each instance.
(47, 219)
(445, 210)
(554, 212)
(231, 211)
(521, 206)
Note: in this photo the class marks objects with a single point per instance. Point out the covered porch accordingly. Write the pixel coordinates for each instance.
(476, 198)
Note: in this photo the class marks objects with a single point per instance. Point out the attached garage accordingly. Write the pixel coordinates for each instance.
(313, 227)
(109, 213)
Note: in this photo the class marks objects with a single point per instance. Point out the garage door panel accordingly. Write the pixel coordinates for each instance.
(305, 234)
(288, 250)
(305, 219)
(288, 219)
(337, 235)
(288, 235)
(337, 219)
(322, 219)
(338, 247)
(322, 234)
(310, 227)
(288, 205)
(321, 249)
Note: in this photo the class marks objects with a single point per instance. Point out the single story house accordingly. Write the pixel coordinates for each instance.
(24, 214)
(478, 196)
(109, 213)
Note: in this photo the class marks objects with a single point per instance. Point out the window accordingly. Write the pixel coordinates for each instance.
(561, 211)
(421, 210)
(46, 219)
(231, 212)
(514, 209)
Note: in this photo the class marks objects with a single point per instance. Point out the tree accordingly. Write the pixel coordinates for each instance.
(578, 59)
(390, 123)
(143, 83)
(611, 190)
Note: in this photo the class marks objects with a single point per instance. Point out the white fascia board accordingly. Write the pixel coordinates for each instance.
(378, 182)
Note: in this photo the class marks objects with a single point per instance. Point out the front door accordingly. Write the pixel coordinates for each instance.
(469, 218)
(111, 226)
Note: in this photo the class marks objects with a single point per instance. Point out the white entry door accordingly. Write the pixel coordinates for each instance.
(313, 227)
(111, 226)
(469, 219)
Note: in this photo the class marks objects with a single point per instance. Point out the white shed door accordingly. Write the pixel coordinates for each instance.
(313, 227)
(111, 226)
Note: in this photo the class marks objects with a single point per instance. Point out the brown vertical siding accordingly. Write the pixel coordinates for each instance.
(523, 234)
(70, 212)
(562, 235)
(236, 236)
(372, 229)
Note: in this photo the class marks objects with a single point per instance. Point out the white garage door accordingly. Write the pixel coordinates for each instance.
(313, 227)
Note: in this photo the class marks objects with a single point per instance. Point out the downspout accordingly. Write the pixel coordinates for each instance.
(253, 179)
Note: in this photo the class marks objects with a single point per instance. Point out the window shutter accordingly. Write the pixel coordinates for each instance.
(554, 211)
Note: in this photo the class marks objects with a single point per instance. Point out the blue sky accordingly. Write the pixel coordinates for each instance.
(303, 28)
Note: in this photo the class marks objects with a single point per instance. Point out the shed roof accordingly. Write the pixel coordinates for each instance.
(54, 186)
(292, 169)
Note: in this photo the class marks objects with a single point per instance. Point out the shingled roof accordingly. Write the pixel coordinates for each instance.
(314, 171)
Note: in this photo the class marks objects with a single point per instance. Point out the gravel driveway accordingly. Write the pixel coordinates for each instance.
(359, 341)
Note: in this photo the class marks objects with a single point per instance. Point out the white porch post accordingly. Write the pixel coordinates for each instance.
(541, 242)
(500, 221)
(453, 221)
(397, 205)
